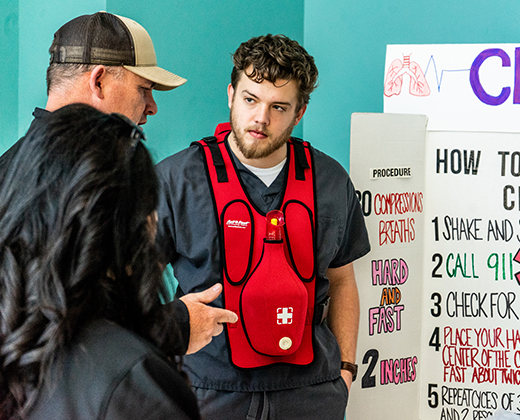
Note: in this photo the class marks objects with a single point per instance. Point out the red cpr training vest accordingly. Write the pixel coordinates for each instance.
(270, 285)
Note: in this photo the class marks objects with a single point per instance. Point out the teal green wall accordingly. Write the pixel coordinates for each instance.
(8, 71)
(348, 39)
(196, 37)
(193, 38)
(37, 22)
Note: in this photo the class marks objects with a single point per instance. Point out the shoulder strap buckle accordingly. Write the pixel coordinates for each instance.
(216, 155)
(300, 159)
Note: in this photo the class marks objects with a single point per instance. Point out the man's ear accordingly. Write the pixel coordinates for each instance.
(230, 93)
(97, 82)
(299, 114)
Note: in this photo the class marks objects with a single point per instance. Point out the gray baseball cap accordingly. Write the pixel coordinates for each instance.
(111, 40)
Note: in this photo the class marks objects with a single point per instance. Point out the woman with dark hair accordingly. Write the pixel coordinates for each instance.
(83, 333)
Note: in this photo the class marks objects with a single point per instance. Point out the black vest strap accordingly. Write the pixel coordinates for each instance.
(300, 160)
(218, 160)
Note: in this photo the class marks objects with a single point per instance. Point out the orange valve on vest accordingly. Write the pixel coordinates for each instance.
(275, 221)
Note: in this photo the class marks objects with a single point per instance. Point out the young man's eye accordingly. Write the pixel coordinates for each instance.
(249, 100)
(279, 108)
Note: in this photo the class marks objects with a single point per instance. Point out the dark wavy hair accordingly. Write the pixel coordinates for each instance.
(275, 57)
(76, 244)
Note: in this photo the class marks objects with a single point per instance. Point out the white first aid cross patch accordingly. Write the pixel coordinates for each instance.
(284, 315)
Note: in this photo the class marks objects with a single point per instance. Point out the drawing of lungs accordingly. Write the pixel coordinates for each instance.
(395, 75)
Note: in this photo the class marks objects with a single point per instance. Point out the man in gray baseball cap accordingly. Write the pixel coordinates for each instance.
(109, 62)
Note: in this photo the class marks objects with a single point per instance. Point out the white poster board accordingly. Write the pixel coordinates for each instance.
(466, 310)
(460, 87)
(387, 168)
(471, 335)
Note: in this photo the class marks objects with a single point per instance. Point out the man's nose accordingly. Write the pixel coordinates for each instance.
(151, 105)
(262, 115)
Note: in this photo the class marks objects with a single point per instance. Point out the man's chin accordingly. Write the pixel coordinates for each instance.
(251, 154)
(249, 148)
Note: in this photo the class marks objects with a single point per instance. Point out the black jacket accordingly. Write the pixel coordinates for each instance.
(111, 373)
(179, 309)
(8, 156)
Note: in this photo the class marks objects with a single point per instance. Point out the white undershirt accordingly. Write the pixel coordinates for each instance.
(267, 175)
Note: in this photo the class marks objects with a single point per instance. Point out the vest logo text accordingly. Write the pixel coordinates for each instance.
(237, 224)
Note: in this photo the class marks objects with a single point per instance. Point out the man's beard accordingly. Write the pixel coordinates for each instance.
(260, 148)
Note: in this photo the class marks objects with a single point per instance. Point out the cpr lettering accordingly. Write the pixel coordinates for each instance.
(457, 160)
(477, 87)
(513, 164)
(459, 228)
(468, 397)
(476, 305)
(387, 316)
(511, 197)
(396, 231)
(389, 272)
(510, 161)
(388, 319)
(448, 413)
(466, 305)
(398, 371)
(500, 230)
(460, 265)
(365, 199)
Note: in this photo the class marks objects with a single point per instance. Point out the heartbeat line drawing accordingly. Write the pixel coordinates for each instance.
(419, 86)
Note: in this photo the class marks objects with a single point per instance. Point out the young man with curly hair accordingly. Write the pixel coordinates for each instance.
(291, 355)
